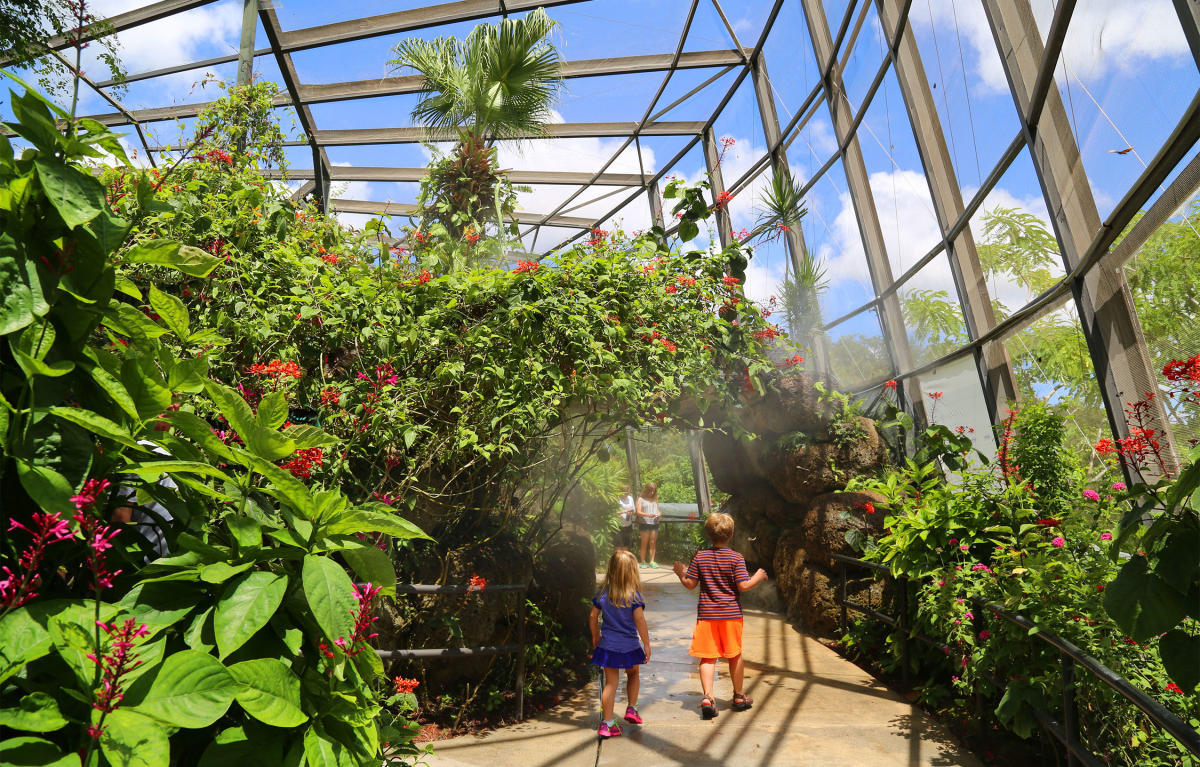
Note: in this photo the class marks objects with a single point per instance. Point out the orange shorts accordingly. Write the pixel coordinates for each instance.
(717, 639)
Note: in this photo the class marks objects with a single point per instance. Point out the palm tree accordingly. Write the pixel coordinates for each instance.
(498, 83)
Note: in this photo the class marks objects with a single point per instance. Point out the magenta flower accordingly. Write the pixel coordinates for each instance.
(964, 547)
(365, 594)
(1119, 486)
(89, 494)
(1091, 495)
(1059, 542)
(981, 566)
(969, 615)
(98, 538)
(984, 634)
(1106, 536)
(17, 589)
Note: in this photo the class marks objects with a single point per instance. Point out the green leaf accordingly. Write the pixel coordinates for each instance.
(270, 692)
(372, 565)
(198, 430)
(219, 572)
(145, 386)
(113, 388)
(125, 285)
(97, 424)
(378, 522)
(688, 230)
(152, 470)
(77, 196)
(307, 437)
(37, 712)
(1142, 603)
(284, 486)
(133, 740)
(34, 752)
(189, 260)
(35, 367)
(322, 751)
(192, 689)
(159, 605)
(330, 595)
(245, 607)
(172, 311)
(1179, 561)
(188, 375)
(49, 489)
(272, 410)
(16, 299)
(1181, 657)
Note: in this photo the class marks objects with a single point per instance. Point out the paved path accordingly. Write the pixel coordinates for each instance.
(812, 707)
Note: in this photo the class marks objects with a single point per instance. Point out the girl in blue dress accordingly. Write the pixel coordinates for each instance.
(615, 642)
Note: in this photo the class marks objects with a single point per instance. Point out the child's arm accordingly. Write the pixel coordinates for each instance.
(594, 624)
(637, 505)
(757, 578)
(639, 619)
(681, 573)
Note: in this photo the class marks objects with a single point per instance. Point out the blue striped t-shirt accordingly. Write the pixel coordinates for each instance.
(718, 570)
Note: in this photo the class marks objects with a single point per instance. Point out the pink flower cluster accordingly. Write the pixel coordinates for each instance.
(363, 620)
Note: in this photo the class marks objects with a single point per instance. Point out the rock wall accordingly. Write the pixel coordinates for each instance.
(787, 486)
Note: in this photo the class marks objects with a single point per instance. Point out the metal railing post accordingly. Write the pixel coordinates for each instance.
(902, 627)
(842, 588)
(521, 657)
(1070, 714)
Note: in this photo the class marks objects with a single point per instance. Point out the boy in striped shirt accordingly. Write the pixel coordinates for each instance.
(721, 574)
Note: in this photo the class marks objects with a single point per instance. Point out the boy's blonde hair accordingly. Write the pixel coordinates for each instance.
(718, 527)
(622, 581)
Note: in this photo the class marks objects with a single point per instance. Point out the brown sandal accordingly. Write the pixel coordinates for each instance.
(708, 708)
(741, 702)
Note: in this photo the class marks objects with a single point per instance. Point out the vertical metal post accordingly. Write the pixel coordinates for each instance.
(521, 656)
(1070, 713)
(995, 370)
(656, 210)
(1103, 300)
(712, 159)
(631, 459)
(842, 590)
(245, 67)
(699, 472)
(1189, 17)
(858, 183)
(902, 627)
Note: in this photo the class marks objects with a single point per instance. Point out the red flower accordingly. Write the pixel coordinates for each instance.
(688, 281)
(276, 369)
(730, 280)
(727, 141)
(526, 266)
(1172, 687)
(869, 507)
(670, 289)
(1049, 522)
(476, 583)
(723, 199)
(791, 362)
(16, 590)
(891, 384)
(365, 594)
(935, 396)
(769, 333)
(405, 685)
(471, 237)
(330, 397)
(984, 634)
(1183, 370)
(302, 462)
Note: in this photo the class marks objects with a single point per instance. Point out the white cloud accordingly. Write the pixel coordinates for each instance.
(1104, 36)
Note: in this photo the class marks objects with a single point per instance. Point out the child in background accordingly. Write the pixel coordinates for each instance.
(648, 516)
(615, 645)
(720, 572)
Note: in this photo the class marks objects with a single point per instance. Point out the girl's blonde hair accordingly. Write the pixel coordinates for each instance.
(650, 491)
(622, 581)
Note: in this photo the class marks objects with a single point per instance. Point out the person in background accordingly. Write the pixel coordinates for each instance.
(720, 572)
(615, 642)
(624, 538)
(648, 516)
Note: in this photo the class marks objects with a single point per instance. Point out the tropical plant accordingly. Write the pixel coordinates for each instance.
(172, 592)
(27, 26)
(498, 83)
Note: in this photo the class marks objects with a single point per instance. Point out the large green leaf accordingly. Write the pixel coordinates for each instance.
(37, 712)
(378, 522)
(322, 751)
(16, 300)
(270, 692)
(97, 424)
(34, 752)
(113, 388)
(284, 486)
(1181, 656)
(174, 314)
(185, 258)
(198, 430)
(132, 740)
(372, 565)
(307, 437)
(145, 386)
(160, 605)
(49, 489)
(272, 410)
(77, 196)
(245, 607)
(1142, 603)
(191, 689)
(330, 595)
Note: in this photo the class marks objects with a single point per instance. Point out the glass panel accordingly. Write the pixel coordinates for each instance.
(932, 312)
(954, 398)
(865, 57)
(791, 65)
(1126, 76)
(831, 231)
(858, 353)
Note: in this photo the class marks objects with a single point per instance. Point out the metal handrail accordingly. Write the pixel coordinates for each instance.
(471, 652)
(1070, 656)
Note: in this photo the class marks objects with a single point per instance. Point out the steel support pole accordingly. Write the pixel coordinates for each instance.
(995, 369)
(1102, 298)
(1189, 17)
(699, 472)
(712, 159)
(891, 320)
(245, 68)
(631, 459)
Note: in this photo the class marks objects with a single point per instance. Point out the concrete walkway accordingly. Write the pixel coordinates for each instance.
(812, 707)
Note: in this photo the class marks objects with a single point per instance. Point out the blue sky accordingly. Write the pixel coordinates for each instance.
(1126, 76)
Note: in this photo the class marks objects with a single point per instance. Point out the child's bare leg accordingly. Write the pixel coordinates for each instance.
(633, 682)
(645, 541)
(609, 694)
(653, 546)
(708, 667)
(737, 671)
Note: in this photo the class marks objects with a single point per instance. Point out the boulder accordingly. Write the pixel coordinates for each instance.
(792, 404)
(830, 516)
(814, 606)
(801, 473)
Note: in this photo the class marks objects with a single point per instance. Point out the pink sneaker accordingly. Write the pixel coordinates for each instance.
(631, 715)
(607, 731)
